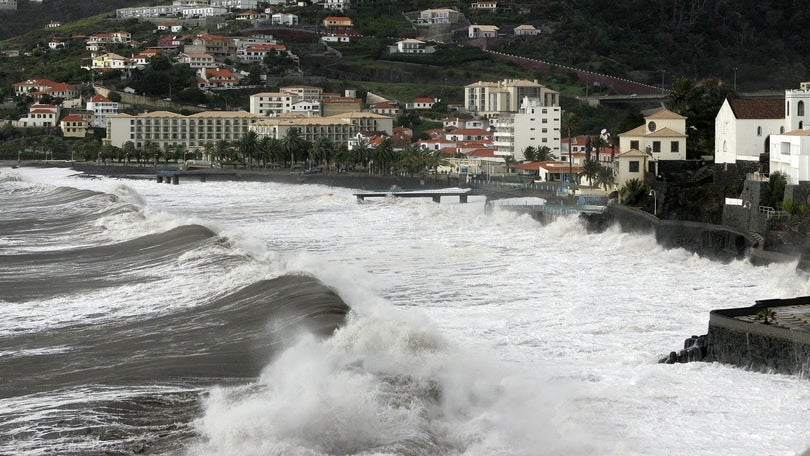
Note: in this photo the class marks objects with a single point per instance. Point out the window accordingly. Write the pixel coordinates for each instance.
(800, 108)
(674, 146)
(633, 166)
(656, 146)
(759, 131)
(634, 145)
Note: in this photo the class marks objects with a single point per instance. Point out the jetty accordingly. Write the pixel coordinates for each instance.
(435, 195)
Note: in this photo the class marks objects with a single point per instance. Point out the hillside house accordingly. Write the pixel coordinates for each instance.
(284, 19)
(411, 46)
(423, 103)
(73, 126)
(197, 61)
(40, 116)
(38, 87)
(101, 107)
(338, 23)
(525, 30)
(482, 31)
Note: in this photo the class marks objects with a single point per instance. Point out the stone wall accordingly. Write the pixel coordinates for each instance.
(758, 346)
(713, 241)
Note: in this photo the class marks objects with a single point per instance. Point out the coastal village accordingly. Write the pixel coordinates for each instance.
(510, 130)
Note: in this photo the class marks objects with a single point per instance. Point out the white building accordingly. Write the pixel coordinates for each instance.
(526, 30)
(40, 115)
(8, 5)
(662, 137)
(742, 128)
(482, 31)
(411, 46)
(488, 99)
(101, 107)
(236, 4)
(284, 19)
(272, 104)
(308, 107)
(533, 125)
(169, 129)
(341, 5)
(790, 151)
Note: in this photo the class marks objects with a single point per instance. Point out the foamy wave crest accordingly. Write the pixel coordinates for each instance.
(386, 386)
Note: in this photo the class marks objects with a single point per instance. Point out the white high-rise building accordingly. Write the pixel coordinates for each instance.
(533, 125)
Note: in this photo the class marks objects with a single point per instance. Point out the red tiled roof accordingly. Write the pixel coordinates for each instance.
(424, 100)
(763, 108)
(482, 152)
(100, 99)
(72, 118)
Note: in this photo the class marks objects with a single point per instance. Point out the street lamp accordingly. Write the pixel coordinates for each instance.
(655, 202)
(747, 205)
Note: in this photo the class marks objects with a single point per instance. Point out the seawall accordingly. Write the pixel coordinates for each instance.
(779, 344)
(718, 242)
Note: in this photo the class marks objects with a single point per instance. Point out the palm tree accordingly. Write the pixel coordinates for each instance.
(530, 154)
(543, 153)
(384, 153)
(249, 146)
(604, 178)
(294, 145)
(322, 150)
(362, 152)
(632, 189)
(681, 96)
(590, 170)
(128, 149)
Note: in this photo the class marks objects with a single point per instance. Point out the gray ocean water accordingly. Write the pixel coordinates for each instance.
(110, 385)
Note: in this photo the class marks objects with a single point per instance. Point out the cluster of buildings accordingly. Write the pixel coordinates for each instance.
(11, 5)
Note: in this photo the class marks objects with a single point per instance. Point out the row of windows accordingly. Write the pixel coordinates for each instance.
(192, 123)
(674, 146)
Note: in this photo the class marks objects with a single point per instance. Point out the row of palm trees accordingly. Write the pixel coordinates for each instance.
(253, 150)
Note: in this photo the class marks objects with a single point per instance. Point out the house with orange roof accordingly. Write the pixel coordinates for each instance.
(73, 126)
(215, 78)
(197, 61)
(421, 103)
(385, 108)
(337, 23)
(217, 46)
(39, 115)
(101, 107)
(46, 86)
(548, 171)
